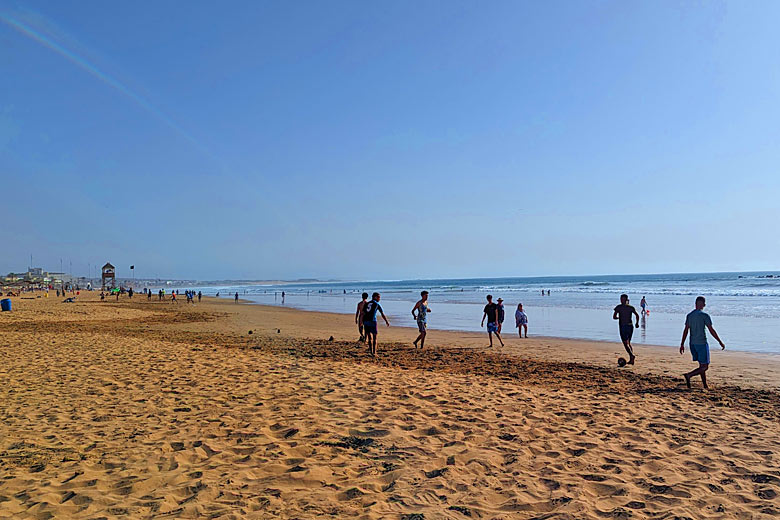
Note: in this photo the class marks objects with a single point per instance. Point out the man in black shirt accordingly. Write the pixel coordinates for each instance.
(491, 313)
(623, 313)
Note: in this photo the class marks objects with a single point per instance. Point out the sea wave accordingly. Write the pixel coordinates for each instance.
(675, 291)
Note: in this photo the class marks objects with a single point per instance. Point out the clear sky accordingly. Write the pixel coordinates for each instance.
(382, 140)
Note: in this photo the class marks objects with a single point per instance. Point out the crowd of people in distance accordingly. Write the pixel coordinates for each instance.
(696, 324)
(189, 294)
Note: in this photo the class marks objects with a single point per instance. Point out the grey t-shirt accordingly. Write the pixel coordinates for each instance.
(697, 321)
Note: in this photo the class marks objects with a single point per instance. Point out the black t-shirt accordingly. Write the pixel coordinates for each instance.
(624, 313)
(491, 309)
(369, 311)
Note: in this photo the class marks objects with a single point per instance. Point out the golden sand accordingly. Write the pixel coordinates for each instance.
(149, 409)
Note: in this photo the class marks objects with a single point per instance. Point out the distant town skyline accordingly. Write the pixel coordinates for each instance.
(353, 140)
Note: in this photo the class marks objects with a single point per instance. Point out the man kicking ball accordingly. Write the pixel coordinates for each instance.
(695, 323)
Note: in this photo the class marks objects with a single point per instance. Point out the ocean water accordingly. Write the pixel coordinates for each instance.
(745, 307)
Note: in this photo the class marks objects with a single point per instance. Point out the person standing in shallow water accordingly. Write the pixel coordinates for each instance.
(695, 323)
(421, 318)
(623, 314)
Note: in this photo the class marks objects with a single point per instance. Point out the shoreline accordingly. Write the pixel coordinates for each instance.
(554, 317)
(742, 368)
(513, 335)
(738, 367)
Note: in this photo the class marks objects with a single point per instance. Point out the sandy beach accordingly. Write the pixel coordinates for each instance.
(147, 409)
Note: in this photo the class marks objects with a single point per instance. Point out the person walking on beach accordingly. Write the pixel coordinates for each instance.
(421, 318)
(173, 297)
(501, 314)
(369, 321)
(521, 320)
(623, 313)
(235, 298)
(695, 323)
(200, 295)
(359, 315)
(491, 313)
(643, 304)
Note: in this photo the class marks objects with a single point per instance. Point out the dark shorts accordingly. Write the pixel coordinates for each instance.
(626, 331)
(701, 353)
(422, 326)
(492, 326)
(369, 327)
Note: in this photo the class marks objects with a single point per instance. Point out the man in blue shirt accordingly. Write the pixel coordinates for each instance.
(695, 322)
(369, 321)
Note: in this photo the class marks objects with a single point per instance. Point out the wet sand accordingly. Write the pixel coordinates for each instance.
(147, 409)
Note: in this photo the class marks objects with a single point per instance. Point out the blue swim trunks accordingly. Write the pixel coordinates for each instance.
(492, 326)
(369, 327)
(701, 353)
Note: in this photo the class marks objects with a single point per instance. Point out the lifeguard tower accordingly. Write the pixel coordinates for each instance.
(108, 277)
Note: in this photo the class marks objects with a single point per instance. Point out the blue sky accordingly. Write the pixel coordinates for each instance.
(385, 140)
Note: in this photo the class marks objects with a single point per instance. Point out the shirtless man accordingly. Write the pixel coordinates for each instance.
(359, 315)
(421, 318)
(623, 313)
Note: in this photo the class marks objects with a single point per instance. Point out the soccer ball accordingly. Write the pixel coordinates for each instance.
(622, 361)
